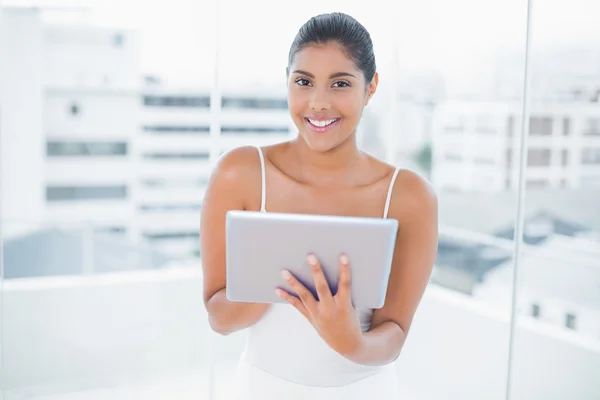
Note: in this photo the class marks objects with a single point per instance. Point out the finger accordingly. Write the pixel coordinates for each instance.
(321, 285)
(344, 285)
(294, 301)
(303, 293)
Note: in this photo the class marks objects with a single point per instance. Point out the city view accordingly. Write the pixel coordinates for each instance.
(112, 115)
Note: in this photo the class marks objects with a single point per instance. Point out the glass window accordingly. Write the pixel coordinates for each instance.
(81, 193)
(177, 101)
(175, 156)
(592, 127)
(539, 157)
(540, 126)
(570, 320)
(250, 103)
(254, 130)
(166, 129)
(90, 149)
(590, 156)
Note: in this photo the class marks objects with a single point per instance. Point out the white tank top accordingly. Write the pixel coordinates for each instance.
(286, 345)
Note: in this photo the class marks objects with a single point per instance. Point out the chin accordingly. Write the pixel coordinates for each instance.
(322, 144)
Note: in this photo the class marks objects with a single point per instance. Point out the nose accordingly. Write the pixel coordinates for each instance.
(319, 100)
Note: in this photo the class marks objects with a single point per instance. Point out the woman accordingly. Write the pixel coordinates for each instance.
(313, 349)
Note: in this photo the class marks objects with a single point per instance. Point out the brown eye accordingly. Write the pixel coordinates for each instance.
(302, 82)
(341, 84)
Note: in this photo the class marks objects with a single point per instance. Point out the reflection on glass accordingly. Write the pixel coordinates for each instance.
(559, 270)
(111, 153)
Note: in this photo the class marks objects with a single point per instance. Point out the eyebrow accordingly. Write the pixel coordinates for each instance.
(335, 75)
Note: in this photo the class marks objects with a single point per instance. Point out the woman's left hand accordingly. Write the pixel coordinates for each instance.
(334, 317)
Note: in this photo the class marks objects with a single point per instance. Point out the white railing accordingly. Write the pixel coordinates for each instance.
(130, 331)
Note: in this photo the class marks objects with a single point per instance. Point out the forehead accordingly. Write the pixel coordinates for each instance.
(323, 59)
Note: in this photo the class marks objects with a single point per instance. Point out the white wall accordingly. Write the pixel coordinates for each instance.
(112, 328)
(22, 143)
(76, 55)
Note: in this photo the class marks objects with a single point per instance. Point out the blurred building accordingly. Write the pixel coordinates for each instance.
(559, 284)
(87, 140)
(478, 230)
(70, 109)
(183, 132)
(477, 146)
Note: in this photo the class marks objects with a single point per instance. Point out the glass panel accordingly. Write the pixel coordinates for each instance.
(556, 346)
(105, 155)
(448, 106)
(459, 107)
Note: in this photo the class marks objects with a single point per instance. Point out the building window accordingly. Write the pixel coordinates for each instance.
(170, 207)
(538, 157)
(74, 109)
(172, 235)
(541, 126)
(85, 149)
(177, 101)
(168, 129)
(570, 321)
(592, 127)
(67, 193)
(241, 102)
(565, 157)
(566, 126)
(177, 156)
(254, 130)
(118, 40)
(537, 184)
(510, 126)
(590, 156)
(536, 310)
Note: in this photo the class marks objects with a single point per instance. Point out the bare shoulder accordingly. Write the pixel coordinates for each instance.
(412, 195)
(237, 163)
(236, 174)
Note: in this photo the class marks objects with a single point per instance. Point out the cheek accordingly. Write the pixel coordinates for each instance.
(351, 107)
(296, 103)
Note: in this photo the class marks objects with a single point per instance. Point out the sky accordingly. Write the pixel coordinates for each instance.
(458, 38)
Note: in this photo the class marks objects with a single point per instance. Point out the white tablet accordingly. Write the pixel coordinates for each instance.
(260, 244)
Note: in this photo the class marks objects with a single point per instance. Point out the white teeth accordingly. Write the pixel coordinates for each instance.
(321, 123)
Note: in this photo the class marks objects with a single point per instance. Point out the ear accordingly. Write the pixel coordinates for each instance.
(372, 87)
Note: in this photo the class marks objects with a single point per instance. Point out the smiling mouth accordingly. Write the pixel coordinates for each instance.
(321, 124)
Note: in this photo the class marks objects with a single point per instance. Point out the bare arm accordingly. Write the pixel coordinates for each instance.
(234, 179)
(414, 205)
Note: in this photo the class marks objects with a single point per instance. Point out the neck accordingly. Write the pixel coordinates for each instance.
(335, 165)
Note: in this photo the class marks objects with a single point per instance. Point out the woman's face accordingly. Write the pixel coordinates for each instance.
(326, 95)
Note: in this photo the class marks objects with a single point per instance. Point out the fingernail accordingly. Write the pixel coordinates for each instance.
(279, 292)
(286, 275)
(344, 259)
(312, 260)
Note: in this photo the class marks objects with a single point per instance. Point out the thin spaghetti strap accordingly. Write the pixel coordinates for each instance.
(389, 193)
(263, 190)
